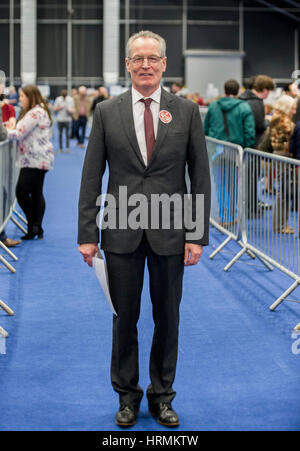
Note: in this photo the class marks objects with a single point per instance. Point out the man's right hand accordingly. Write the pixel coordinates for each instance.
(88, 251)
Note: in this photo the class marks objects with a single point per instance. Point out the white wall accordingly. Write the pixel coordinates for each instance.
(212, 66)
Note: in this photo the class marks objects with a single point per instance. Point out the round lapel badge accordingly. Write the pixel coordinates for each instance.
(165, 116)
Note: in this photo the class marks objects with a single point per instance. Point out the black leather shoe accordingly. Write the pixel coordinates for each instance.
(33, 232)
(164, 414)
(127, 415)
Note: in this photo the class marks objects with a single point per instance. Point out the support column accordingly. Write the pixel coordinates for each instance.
(296, 49)
(28, 41)
(241, 26)
(111, 42)
(11, 42)
(127, 36)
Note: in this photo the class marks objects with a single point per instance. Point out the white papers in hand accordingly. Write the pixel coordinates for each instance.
(99, 266)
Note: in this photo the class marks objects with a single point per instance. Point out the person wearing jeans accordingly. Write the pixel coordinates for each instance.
(64, 107)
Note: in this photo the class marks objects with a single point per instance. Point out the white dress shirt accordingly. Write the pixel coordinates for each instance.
(138, 109)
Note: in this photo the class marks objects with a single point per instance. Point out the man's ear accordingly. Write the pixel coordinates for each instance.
(164, 64)
(127, 62)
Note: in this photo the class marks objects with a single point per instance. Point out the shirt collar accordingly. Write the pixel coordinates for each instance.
(137, 96)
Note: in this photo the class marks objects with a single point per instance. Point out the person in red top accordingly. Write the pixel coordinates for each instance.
(8, 113)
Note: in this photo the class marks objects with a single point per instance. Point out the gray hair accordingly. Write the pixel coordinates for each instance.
(146, 34)
(284, 104)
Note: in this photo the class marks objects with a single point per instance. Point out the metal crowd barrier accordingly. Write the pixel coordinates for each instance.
(225, 160)
(8, 179)
(269, 215)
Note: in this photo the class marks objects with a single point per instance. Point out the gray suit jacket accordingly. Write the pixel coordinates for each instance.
(113, 140)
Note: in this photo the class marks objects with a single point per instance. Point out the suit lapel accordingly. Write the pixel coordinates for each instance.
(162, 130)
(125, 105)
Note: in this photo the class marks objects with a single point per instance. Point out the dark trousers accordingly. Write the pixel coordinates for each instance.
(73, 129)
(29, 192)
(126, 273)
(61, 127)
(80, 129)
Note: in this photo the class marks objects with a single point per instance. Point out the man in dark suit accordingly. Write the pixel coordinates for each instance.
(147, 136)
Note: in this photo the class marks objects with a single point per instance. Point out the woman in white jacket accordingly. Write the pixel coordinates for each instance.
(35, 157)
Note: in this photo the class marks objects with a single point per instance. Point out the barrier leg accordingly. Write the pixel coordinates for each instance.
(284, 295)
(6, 308)
(8, 265)
(18, 224)
(219, 248)
(235, 259)
(297, 328)
(3, 332)
(20, 216)
(250, 253)
(8, 251)
(270, 267)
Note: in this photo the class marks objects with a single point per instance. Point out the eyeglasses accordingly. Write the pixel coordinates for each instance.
(151, 60)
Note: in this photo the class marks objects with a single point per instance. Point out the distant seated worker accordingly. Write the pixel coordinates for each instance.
(198, 99)
(230, 119)
(261, 85)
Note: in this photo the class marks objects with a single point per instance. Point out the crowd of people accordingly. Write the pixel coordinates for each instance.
(242, 116)
(245, 118)
(73, 113)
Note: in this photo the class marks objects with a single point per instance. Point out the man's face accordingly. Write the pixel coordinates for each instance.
(265, 93)
(145, 75)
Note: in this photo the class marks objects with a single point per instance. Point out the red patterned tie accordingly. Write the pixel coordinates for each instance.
(149, 128)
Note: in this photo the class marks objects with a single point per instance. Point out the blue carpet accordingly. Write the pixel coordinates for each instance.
(236, 368)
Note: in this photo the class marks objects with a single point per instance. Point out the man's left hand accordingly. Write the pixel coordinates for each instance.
(192, 254)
